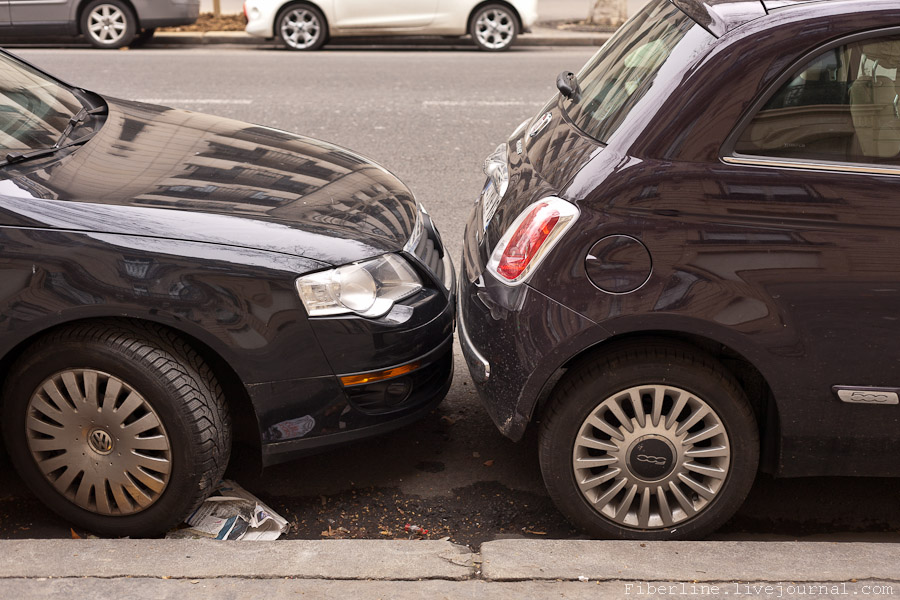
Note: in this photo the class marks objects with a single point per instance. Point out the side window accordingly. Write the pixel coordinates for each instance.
(844, 106)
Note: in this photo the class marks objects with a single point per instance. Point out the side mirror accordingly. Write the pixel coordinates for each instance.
(567, 84)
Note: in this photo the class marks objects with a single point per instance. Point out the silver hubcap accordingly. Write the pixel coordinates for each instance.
(300, 28)
(651, 457)
(98, 442)
(494, 28)
(106, 23)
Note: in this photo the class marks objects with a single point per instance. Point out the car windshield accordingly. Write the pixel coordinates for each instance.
(622, 71)
(34, 110)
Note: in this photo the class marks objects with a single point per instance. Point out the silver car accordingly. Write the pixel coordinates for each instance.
(104, 23)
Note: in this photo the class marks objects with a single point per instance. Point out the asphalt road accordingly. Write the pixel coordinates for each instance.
(431, 117)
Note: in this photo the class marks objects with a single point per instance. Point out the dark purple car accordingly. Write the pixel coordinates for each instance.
(685, 268)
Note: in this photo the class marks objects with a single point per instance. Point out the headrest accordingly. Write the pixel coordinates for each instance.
(886, 53)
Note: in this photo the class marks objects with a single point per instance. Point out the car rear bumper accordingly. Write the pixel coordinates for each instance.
(167, 14)
(515, 340)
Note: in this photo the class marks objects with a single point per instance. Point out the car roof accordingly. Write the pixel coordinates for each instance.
(773, 4)
(721, 16)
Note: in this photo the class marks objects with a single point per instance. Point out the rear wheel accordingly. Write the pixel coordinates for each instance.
(108, 24)
(301, 27)
(120, 429)
(494, 28)
(652, 442)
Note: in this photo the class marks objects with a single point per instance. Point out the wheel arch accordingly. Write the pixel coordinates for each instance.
(311, 4)
(83, 4)
(481, 5)
(245, 424)
(749, 377)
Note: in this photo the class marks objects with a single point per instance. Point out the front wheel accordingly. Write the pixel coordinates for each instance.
(651, 443)
(119, 428)
(301, 27)
(108, 24)
(494, 28)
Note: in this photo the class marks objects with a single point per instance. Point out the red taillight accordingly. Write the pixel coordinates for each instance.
(527, 240)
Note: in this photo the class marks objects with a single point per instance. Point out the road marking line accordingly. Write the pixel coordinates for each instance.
(193, 101)
(477, 103)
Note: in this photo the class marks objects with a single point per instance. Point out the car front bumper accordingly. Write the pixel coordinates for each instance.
(314, 413)
(261, 18)
(334, 414)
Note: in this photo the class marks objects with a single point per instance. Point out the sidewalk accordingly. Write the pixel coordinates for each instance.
(539, 36)
(520, 569)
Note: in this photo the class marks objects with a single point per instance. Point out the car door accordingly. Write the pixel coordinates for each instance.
(823, 152)
(24, 12)
(384, 14)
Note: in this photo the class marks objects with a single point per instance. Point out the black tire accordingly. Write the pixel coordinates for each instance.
(591, 391)
(301, 27)
(494, 27)
(143, 38)
(120, 28)
(177, 387)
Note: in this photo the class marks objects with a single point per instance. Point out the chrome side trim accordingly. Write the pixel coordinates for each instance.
(812, 166)
(470, 353)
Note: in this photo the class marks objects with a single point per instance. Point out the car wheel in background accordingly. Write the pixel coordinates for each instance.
(108, 24)
(652, 442)
(120, 428)
(494, 27)
(301, 27)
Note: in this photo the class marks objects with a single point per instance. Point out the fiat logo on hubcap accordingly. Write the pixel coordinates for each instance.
(100, 441)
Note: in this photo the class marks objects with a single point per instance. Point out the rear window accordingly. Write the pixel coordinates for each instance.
(843, 106)
(623, 70)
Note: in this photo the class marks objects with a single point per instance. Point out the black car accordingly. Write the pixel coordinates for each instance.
(684, 269)
(170, 280)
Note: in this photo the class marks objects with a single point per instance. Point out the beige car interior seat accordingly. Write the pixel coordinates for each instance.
(875, 100)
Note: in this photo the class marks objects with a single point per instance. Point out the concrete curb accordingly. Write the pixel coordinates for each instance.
(204, 559)
(499, 561)
(540, 36)
(276, 589)
(568, 560)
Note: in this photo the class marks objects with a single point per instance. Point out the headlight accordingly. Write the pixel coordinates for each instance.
(497, 170)
(368, 288)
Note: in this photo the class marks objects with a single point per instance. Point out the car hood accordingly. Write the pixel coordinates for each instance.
(161, 172)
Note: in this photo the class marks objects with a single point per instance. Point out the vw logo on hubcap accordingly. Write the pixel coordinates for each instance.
(100, 441)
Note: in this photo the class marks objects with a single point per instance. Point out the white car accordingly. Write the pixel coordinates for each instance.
(308, 24)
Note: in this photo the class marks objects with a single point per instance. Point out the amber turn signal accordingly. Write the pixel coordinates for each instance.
(374, 376)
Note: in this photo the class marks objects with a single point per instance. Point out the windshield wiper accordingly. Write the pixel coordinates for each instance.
(77, 119)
